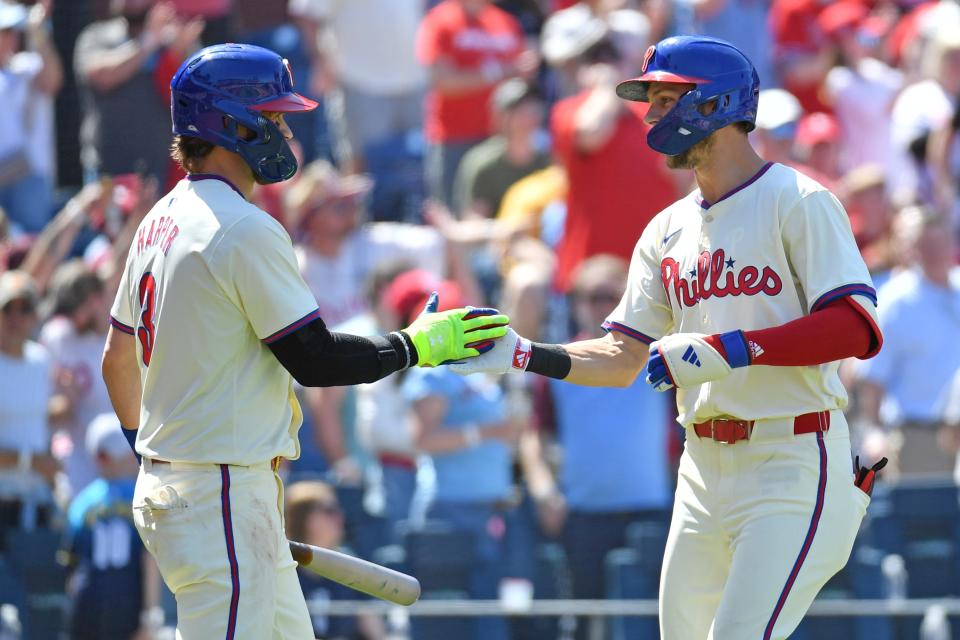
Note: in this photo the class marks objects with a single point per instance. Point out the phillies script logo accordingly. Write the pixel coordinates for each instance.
(715, 276)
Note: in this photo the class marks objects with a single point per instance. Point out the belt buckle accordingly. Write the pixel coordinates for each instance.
(737, 430)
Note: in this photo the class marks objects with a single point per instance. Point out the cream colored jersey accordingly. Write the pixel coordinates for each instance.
(211, 280)
(773, 250)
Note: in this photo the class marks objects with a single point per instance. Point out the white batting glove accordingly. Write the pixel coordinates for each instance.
(684, 360)
(510, 354)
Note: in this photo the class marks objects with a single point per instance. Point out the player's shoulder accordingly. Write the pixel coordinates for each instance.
(794, 191)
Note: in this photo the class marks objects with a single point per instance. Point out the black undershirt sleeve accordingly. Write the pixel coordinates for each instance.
(317, 357)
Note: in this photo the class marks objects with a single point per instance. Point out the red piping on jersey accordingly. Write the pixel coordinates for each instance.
(624, 329)
(231, 551)
(835, 332)
(196, 177)
(121, 327)
(706, 205)
(807, 541)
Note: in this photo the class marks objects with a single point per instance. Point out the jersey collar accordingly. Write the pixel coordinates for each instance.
(706, 205)
(196, 177)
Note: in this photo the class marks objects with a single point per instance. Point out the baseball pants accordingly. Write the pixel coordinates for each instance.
(216, 532)
(758, 528)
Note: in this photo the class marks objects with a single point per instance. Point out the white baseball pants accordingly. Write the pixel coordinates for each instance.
(216, 532)
(758, 528)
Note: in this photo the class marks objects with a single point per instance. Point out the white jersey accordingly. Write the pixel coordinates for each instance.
(210, 280)
(773, 250)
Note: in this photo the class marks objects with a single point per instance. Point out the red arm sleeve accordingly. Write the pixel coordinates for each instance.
(835, 332)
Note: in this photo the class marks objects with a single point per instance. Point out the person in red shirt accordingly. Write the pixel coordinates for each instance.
(803, 55)
(469, 46)
(616, 182)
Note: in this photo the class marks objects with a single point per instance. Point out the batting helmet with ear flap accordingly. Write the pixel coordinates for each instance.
(227, 85)
(723, 76)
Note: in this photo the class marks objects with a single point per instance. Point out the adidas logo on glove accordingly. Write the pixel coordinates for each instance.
(691, 356)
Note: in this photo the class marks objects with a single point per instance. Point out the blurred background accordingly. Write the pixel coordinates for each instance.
(477, 148)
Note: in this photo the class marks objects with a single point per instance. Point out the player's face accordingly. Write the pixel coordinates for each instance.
(278, 119)
(663, 97)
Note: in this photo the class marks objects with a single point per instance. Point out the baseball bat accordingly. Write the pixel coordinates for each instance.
(356, 573)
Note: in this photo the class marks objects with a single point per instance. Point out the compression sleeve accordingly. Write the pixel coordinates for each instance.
(317, 357)
(835, 332)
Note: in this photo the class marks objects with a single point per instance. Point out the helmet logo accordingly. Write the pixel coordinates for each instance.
(647, 57)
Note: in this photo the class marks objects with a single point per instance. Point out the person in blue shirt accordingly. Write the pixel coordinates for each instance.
(312, 515)
(614, 448)
(114, 586)
(462, 424)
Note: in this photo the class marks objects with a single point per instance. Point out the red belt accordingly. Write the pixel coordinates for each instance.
(397, 460)
(731, 431)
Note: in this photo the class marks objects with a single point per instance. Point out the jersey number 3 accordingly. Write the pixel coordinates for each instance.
(148, 298)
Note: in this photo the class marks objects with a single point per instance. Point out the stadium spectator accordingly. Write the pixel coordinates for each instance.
(27, 470)
(363, 432)
(462, 424)
(126, 124)
(114, 586)
(74, 337)
(570, 32)
(313, 516)
(216, 17)
(743, 23)
(337, 250)
(612, 444)
(467, 46)
(817, 147)
(372, 93)
(904, 387)
(802, 53)
(512, 153)
(29, 80)
(861, 87)
(923, 107)
(601, 141)
(863, 191)
(778, 113)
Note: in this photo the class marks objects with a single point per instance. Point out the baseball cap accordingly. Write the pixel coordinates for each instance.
(12, 15)
(16, 285)
(777, 108)
(840, 16)
(815, 128)
(569, 34)
(409, 291)
(105, 435)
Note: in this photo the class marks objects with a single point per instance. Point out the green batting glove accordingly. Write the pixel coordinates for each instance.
(455, 334)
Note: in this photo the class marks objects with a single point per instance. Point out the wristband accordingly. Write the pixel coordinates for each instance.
(550, 360)
(735, 344)
(406, 348)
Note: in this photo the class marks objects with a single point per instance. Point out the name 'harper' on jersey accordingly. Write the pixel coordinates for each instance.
(714, 275)
(162, 233)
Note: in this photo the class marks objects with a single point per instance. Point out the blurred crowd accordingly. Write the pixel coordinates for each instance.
(477, 148)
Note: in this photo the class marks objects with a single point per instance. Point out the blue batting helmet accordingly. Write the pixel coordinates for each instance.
(722, 75)
(226, 85)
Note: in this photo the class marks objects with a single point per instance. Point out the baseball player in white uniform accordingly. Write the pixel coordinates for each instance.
(211, 324)
(744, 295)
